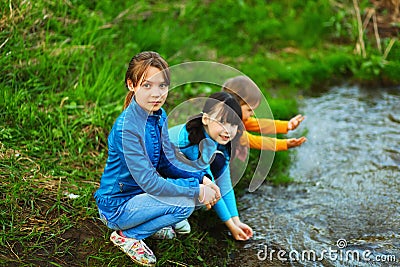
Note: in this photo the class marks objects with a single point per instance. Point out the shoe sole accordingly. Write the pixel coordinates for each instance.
(135, 261)
(182, 233)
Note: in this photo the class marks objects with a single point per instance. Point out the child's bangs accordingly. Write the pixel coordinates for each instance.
(154, 63)
(225, 113)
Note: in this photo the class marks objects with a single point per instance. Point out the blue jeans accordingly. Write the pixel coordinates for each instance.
(143, 215)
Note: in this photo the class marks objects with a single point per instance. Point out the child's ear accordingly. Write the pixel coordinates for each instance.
(204, 119)
(129, 83)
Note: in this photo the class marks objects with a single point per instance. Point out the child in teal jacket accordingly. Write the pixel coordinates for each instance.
(206, 140)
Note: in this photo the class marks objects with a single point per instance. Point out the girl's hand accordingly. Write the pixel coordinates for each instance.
(293, 142)
(294, 122)
(245, 228)
(208, 182)
(208, 196)
(238, 233)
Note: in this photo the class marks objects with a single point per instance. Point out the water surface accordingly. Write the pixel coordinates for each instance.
(346, 196)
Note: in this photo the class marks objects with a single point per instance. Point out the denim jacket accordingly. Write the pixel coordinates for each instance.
(142, 159)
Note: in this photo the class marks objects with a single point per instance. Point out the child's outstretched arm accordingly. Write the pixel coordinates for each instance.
(268, 143)
(266, 126)
(263, 142)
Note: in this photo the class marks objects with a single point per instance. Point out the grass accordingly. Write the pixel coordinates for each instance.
(63, 64)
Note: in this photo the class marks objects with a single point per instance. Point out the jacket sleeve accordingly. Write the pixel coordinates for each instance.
(171, 170)
(145, 175)
(170, 166)
(263, 142)
(266, 126)
(199, 156)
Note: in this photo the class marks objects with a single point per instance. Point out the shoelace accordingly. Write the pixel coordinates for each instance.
(139, 244)
(146, 248)
(129, 243)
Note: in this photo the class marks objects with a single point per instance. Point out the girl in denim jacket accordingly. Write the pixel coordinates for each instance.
(144, 189)
(207, 140)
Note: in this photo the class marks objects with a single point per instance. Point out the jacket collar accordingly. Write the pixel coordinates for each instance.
(207, 136)
(140, 112)
(219, 146)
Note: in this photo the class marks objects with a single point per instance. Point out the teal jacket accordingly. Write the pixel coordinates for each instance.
(200, 156)
(179, 136)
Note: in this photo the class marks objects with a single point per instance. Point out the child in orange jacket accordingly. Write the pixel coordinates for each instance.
(249, 97)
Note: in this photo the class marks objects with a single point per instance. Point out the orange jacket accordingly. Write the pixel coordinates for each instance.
(264, 126)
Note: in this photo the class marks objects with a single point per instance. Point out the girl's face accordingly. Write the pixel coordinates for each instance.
(220, 131)
(151, 91)
(247, 111)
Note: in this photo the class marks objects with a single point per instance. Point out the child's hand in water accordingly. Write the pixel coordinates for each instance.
(245, 228)
(238, 233)
(293, 142)
(294, 122)
(246, 231)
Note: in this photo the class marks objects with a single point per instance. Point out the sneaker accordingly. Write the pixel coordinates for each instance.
(164, 233)
(135, 249)
(182, 227)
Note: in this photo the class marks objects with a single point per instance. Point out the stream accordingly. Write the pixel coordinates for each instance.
(343, 208)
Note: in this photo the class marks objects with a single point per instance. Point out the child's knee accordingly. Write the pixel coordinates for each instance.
(184, 212)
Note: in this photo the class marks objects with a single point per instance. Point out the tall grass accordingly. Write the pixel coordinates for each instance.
(62, 69)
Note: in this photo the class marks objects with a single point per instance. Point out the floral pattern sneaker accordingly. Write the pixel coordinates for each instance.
(137, 250)
(164, 233)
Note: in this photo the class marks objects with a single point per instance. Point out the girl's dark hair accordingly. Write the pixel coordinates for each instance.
(138, 67)
(226, 108)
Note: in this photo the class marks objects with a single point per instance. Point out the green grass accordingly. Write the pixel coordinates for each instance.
(63, 65)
